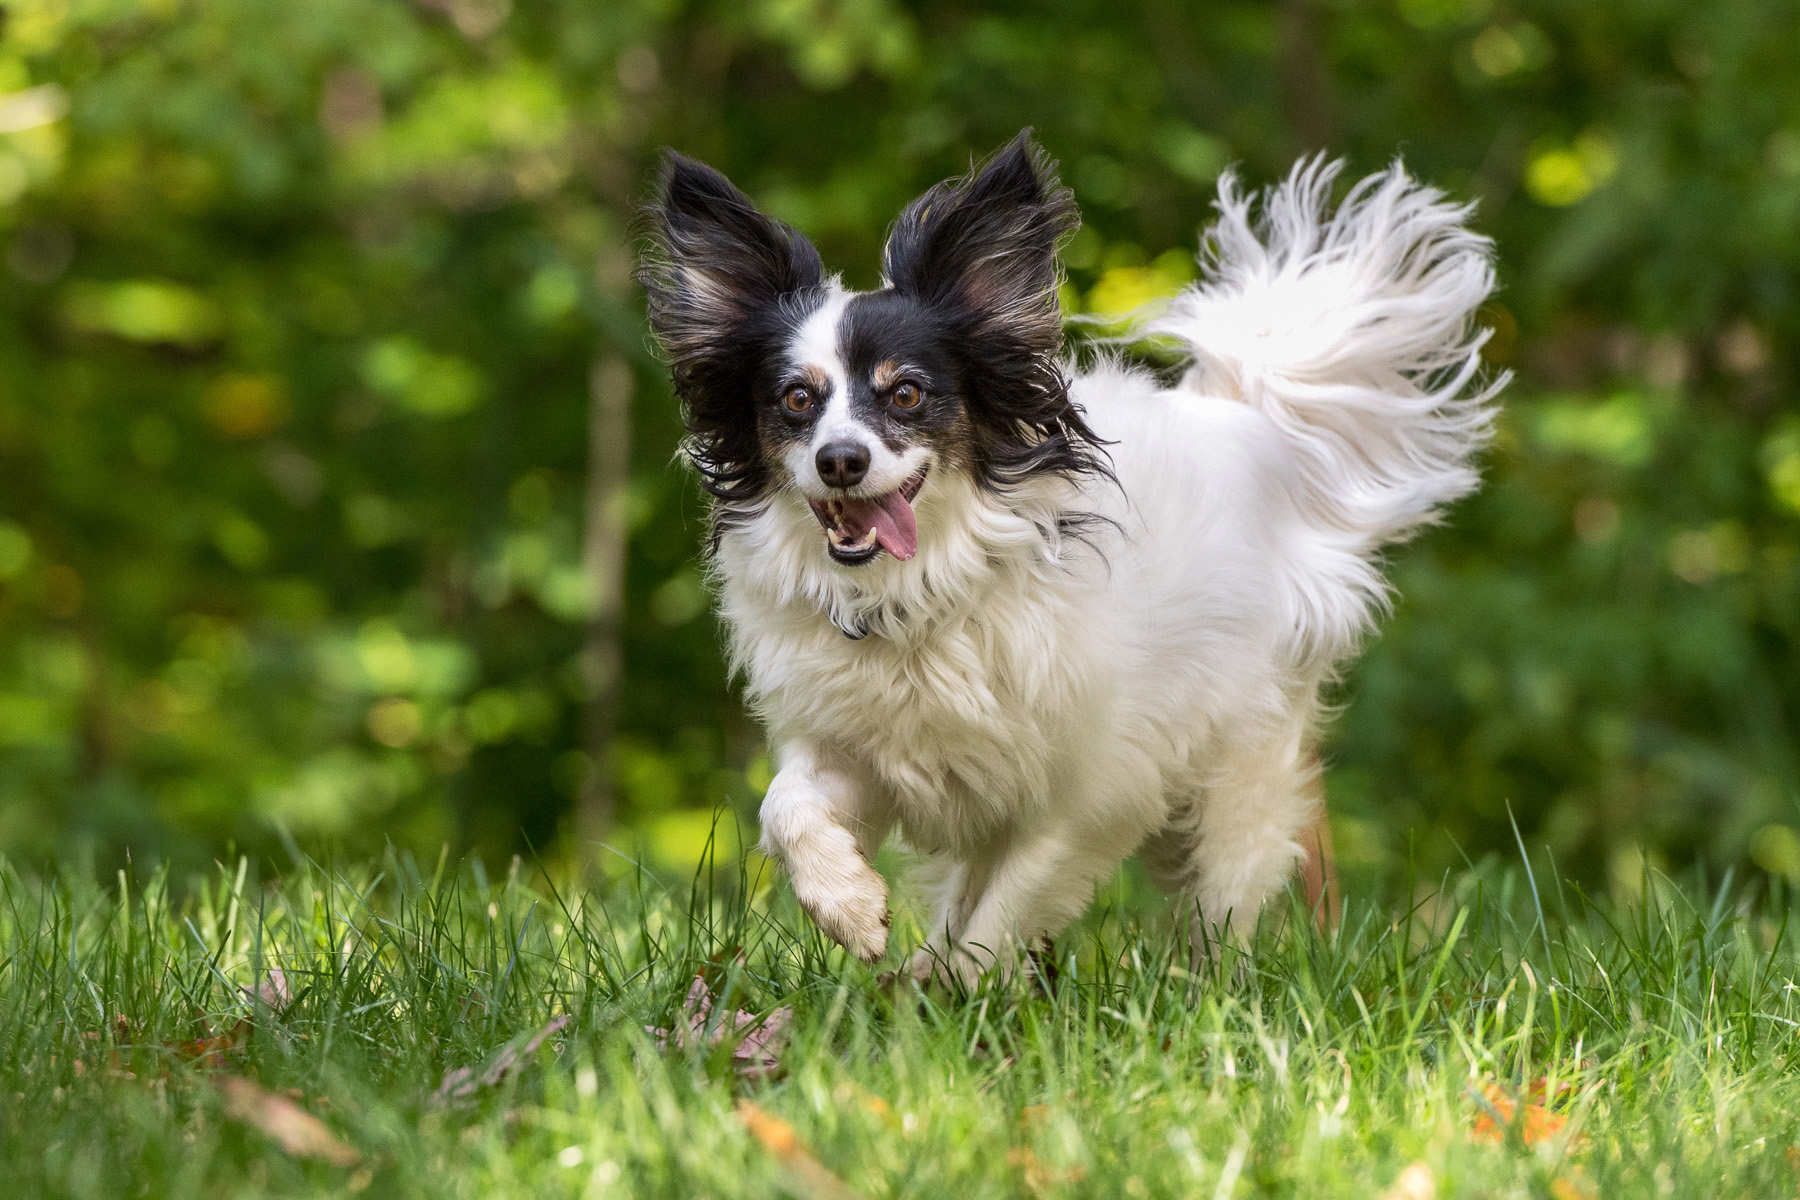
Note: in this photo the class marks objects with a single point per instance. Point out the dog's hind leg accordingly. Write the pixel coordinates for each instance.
(1242, 834)
(825, 824)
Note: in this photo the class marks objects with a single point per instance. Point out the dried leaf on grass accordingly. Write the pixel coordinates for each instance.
(756, 1042)
(1498, 1113)
(212, 1051)
(806, 1176)
(284, 1122)
(463, 1082)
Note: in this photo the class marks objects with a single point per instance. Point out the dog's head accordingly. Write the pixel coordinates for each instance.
(857, 400)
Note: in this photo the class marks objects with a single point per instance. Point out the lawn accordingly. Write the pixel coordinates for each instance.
(394, 1028)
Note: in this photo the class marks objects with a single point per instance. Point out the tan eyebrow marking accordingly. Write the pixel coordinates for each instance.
(815, 379)
(885, 375)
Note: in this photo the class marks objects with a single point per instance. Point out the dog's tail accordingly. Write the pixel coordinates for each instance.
(1352, 330)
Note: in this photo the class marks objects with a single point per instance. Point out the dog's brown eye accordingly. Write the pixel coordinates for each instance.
(907, 395)
(797, 399)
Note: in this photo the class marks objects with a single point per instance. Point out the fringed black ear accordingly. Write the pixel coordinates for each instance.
(985, 245)
(981, 252)
(726, 285)
(712, 260)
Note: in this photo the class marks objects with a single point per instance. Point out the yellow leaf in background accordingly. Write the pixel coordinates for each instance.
(678, 840)
(144, 310)
(1781, 462)
(1776, 849)
(1122, 290)
(245, 406)
(1617, 429)
(1559, 176)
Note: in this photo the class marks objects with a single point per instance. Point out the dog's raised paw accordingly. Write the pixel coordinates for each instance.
(852, 911)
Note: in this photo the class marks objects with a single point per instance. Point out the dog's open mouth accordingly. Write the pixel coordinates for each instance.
(857, 528)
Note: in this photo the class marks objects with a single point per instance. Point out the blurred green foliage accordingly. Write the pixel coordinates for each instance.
(299, 303)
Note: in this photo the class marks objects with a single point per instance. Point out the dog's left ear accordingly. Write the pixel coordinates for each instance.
(985, 246)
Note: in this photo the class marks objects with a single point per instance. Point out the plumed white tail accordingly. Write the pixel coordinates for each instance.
(1353, 331)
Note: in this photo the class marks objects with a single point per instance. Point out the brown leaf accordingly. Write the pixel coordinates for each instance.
(285, 1123)
(807, 1176)
(463, 1081)
(1497, 1113)
(211, 1052)
(756, 1042)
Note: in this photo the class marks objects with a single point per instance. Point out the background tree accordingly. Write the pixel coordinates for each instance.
(310, 313)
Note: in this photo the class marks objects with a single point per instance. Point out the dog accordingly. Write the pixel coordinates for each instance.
(1040, 616)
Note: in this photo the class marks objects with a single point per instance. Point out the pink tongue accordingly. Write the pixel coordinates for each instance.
(892, 518)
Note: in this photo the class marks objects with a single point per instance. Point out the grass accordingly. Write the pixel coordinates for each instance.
(1658, 1040)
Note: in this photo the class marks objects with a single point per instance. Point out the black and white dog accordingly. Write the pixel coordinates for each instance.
(1038, 617)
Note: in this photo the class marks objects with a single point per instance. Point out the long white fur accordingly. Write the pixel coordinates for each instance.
(1030, 709)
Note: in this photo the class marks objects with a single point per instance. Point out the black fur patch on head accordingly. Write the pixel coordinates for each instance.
(885, 337)
(727, 287)
(978, 254)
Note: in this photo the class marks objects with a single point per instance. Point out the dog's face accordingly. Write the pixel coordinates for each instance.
(856, 400)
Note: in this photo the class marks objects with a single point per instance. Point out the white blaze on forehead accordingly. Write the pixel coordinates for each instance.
(816, 347)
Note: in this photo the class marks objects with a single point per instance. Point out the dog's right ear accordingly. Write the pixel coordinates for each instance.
(713, 260)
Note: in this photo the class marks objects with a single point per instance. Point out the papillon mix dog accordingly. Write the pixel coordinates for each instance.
(1040, 617)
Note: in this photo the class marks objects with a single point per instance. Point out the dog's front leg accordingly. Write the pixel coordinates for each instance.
(808, 817)
(1032, 888)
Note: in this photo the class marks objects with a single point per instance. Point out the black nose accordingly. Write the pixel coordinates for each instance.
(842, 464)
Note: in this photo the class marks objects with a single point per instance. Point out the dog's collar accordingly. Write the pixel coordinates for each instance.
(855, 630)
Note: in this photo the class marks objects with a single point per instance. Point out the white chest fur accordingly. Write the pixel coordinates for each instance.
(959, 701)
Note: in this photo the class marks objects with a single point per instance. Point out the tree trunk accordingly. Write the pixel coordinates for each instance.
(1304, 81)
(603, 561)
